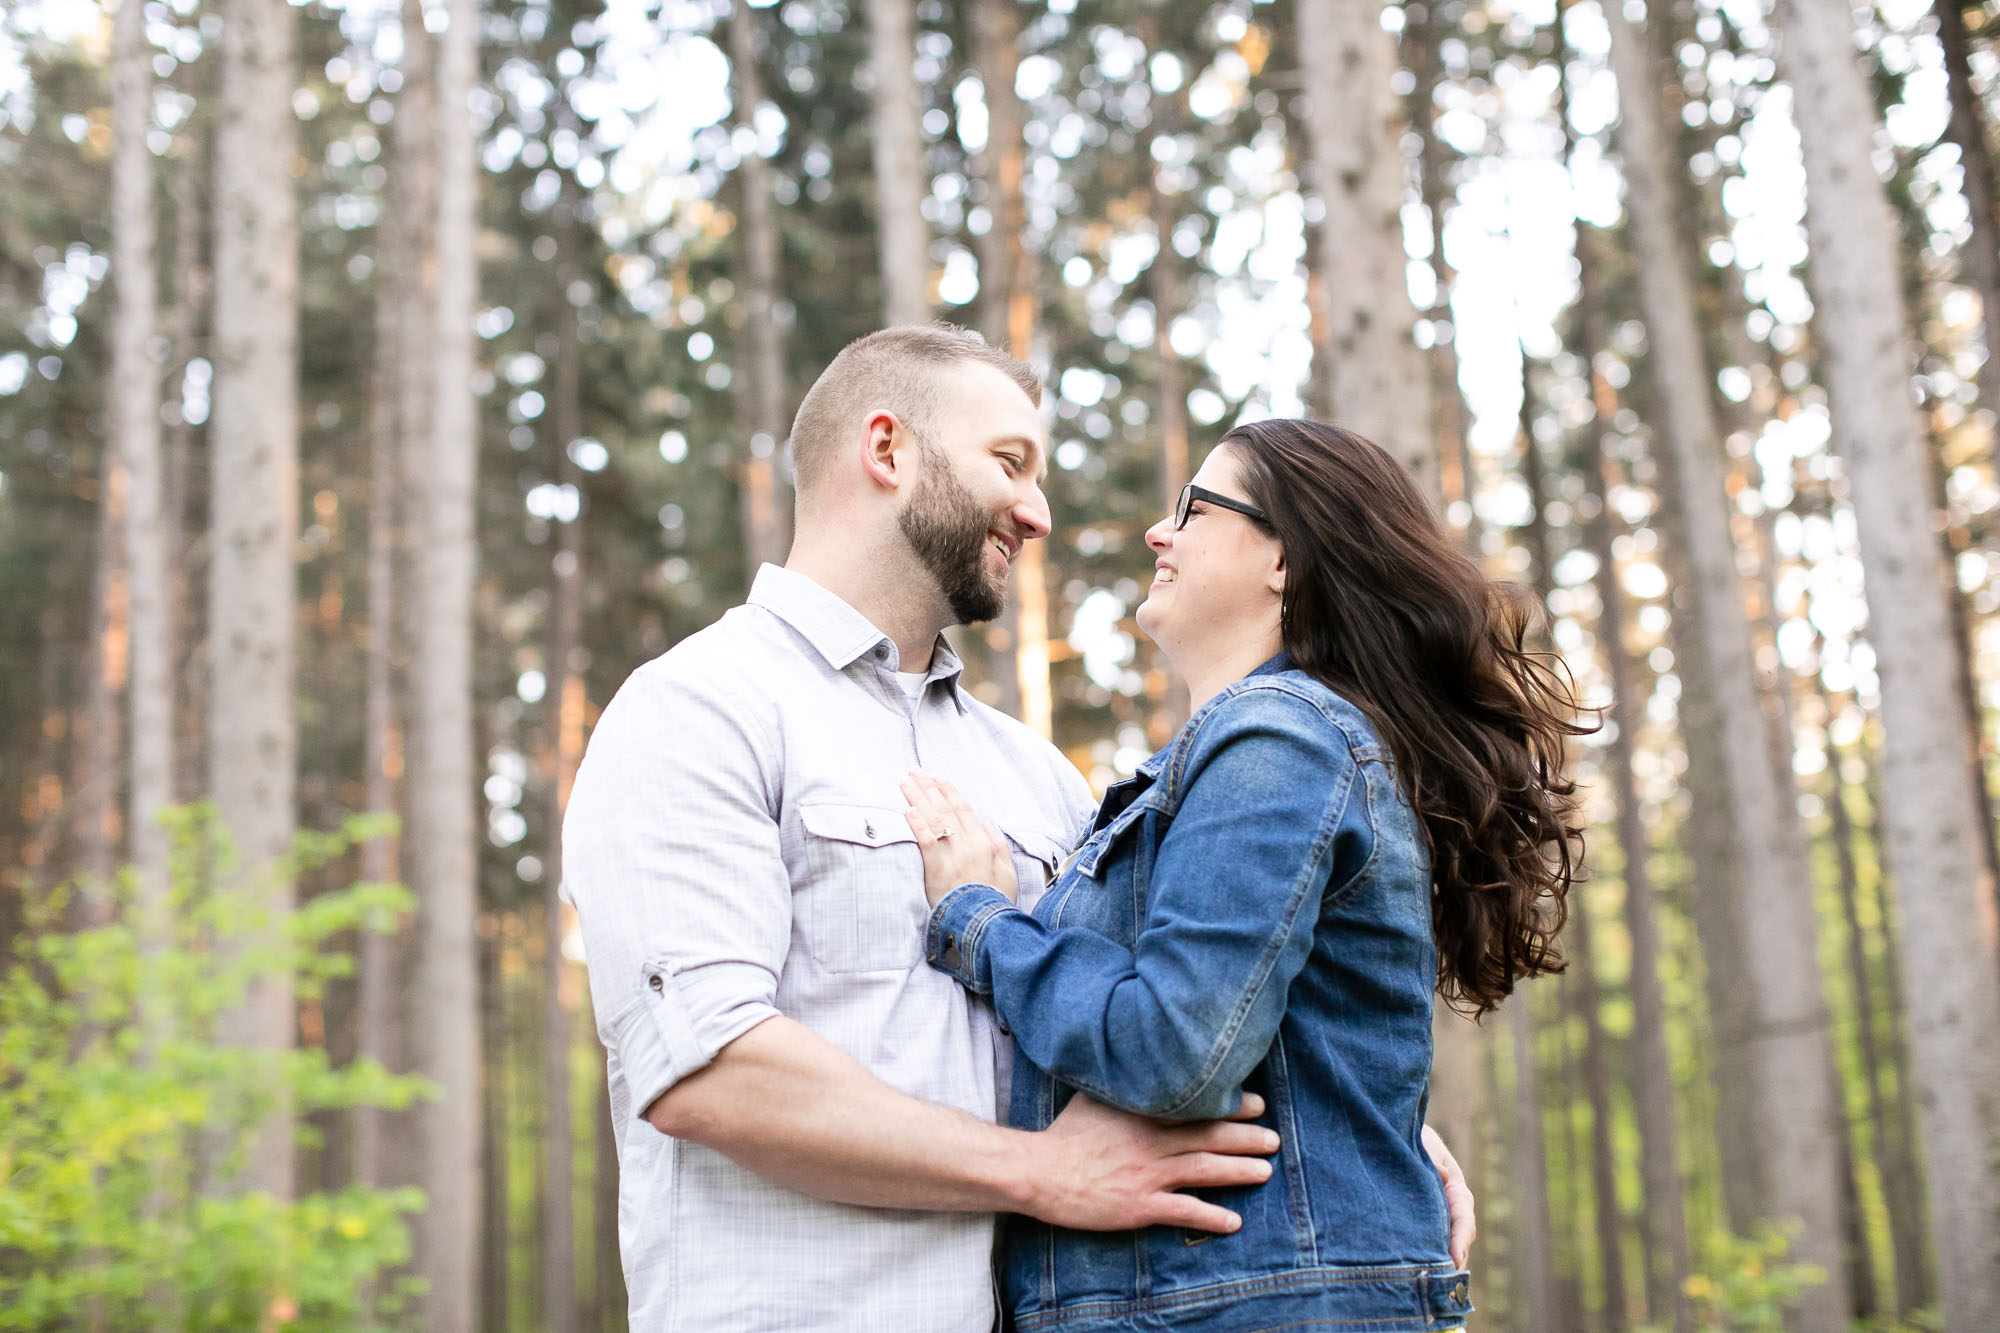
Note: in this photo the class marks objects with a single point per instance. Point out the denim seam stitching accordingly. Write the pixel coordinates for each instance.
(1422, 1274)
(1308, 876)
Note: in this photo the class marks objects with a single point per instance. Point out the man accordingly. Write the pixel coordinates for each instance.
(804, 1108)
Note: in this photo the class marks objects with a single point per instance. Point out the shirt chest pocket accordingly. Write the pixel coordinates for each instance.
(861, 907)
(1036, 856)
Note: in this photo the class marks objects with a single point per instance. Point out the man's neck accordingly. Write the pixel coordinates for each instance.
(895, 596)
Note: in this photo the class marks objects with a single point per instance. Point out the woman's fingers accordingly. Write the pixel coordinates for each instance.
(921, 814)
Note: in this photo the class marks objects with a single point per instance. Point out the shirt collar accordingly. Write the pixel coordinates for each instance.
(838, 632)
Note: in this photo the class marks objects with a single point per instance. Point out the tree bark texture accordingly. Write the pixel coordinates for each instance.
(442, 838)
(1789, 1051)
(1535, 1295)
(900, 229)
(1667, 1260)
(1950, 934)
(563, 720)
(1380, 386)
(1457, 480)
(1006, 288)
(762, 404)
(253, 584)
(1967, 128)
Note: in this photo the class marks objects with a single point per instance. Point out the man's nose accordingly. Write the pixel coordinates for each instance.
(1032, 513)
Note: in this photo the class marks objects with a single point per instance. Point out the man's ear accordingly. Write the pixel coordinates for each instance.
(882, 434)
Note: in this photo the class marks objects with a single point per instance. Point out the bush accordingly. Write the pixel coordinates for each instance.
(118, 1105)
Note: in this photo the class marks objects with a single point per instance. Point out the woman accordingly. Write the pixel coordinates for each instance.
(1366, 805)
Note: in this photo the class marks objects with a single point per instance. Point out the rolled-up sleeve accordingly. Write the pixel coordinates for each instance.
(671, 855)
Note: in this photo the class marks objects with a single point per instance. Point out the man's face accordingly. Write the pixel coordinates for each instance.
(978, 496)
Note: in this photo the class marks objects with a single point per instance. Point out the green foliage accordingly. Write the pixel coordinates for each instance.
(1748, 1281)
(117, 1103)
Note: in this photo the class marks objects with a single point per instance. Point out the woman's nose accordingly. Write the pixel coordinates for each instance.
(1161, 535)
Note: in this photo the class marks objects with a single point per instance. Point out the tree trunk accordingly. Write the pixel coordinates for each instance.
(1007, 304)
(495, 1221)
(1667, 1266)
(378, 962)
(442, 838)
(1535, 1261)
(1582, 970)
(94, 799)
(1967, 128)
(1007, 318)
(1165, 289)
(1379, 383)
(189, 274)
(135, 417)
(761, 401)
(563, 719)
(610, 1284)
(1930, 811)
(1790, 1054)
(1893, 1162)
(1456, 476)
(253, 593)
(900, 229)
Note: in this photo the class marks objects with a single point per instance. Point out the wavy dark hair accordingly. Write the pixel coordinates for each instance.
(1382, 606)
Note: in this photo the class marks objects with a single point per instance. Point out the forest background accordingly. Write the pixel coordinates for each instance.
(380, 384)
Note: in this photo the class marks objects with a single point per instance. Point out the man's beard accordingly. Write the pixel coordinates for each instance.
(947, 529)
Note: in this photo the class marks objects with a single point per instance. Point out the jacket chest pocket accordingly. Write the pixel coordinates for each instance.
(1110, 872)
(862, 905)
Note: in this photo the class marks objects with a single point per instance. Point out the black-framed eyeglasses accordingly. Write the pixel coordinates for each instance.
(1191, 492)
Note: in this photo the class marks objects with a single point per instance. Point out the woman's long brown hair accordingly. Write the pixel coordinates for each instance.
(1383, 607)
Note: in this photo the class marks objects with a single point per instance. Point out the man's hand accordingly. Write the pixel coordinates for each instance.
(1108, 1170)
(1457, 1197)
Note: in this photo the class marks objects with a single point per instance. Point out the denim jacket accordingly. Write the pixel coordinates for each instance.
(1250, 911)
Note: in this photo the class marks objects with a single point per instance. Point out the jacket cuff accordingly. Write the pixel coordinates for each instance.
(957, 927)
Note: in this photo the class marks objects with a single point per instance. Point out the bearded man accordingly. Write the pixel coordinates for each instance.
(805, 1111)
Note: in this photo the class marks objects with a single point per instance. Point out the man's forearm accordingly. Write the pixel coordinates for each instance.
(785, 1103)
(791, 1106)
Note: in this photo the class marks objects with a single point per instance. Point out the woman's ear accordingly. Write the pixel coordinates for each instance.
(1276, 583)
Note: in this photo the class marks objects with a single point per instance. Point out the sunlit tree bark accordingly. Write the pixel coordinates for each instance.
(563, 721)
(1534, 1268)
(1930, 812)
(1379, 384)
(901, 233)
(253, 740)
(442, 832)
(1981, 252)
(1791, 1068)
(761, 399)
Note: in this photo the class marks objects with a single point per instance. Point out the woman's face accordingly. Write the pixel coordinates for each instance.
(1219, 580)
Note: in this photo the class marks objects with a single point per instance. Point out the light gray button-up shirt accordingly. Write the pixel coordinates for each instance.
(736, 849)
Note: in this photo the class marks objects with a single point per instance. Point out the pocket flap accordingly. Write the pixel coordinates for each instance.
(868, 825)
(1037, 846)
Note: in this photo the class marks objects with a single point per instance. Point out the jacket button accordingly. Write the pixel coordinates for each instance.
(868, 829)
(1458, 1293)
(659, 986)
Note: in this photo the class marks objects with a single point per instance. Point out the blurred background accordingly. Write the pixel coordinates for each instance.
(380, 384)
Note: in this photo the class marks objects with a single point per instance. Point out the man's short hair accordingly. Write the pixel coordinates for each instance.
(900, 369)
